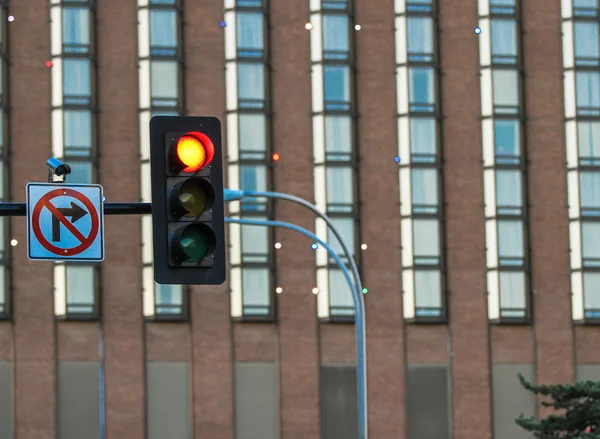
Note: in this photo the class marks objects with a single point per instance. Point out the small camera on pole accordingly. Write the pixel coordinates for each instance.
(57, 170)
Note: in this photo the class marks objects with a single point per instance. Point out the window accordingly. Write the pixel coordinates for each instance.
(338, 138)
(346, 227)
(507, 141)
(590, 195)
(504, 41)
(587, 52)
(426, 241)
(591, 298)
(337, 87)
(420, 39)
(256, 291)
(588, 93)
(510, 243)
(80, 289)
(335, 37)
(340, 296)
(421, 195)
(248, 105)
(163, 32)
(78, 132)
(251, 85)
(590, 236)
(423, 140)
(428, 294)
(76, 30)
(334, 146)
(506, 91)
(425, 190)
(505, 200)
(250, 35)
(588, 143)
(160, 94)
(164, 83)
(422, 95)
(509, 197)
(255, 244)
(73, 140)
(76, 81)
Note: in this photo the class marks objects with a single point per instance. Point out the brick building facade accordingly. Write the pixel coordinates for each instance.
(451, 140)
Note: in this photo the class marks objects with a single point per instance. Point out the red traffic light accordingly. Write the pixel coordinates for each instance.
(194, 151)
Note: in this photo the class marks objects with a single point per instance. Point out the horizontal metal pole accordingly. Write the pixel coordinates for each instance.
(19, 209)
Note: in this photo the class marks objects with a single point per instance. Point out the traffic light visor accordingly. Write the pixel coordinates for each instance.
(194, 151)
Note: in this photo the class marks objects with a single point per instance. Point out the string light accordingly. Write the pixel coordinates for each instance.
(278, 245)
(279, 290)
(315, 291)
(314, 246)
(275, 157)
(11, 18)
(48, 64)
(308, 26)
(397, 159)
(363, 247)
(358, 27)
(365, 291)
(223, 24)
(14, 242)
(477, 30)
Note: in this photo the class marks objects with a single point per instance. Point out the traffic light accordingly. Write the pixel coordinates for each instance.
(187, 200)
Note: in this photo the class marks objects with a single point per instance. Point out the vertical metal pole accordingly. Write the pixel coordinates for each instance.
(101, 383)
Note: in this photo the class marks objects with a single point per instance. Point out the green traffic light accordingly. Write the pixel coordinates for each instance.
(193, 243)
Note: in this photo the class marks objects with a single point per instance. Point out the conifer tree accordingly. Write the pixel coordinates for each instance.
(577, 411)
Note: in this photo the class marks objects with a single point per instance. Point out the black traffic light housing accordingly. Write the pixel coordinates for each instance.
(188, 218)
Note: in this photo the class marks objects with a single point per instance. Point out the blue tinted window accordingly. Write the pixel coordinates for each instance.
(76, 30)
(510, 243)
(256, 291)
(338, 138)
(588, 139)
(508, 192)
(507, 140)
(168, 299)
(504, 41)
(253, 178)
(337, 87)
(335, 37)
(250, 34)
(78, 132)
(252, 136)
(420, 39)
(81, 172)
(76, 81)
(422, 91)
(163, 32)
(588, 93)
(164, 83)
(423, 140)
(251, 85)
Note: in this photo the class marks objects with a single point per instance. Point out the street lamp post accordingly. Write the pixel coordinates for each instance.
(356, 288)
